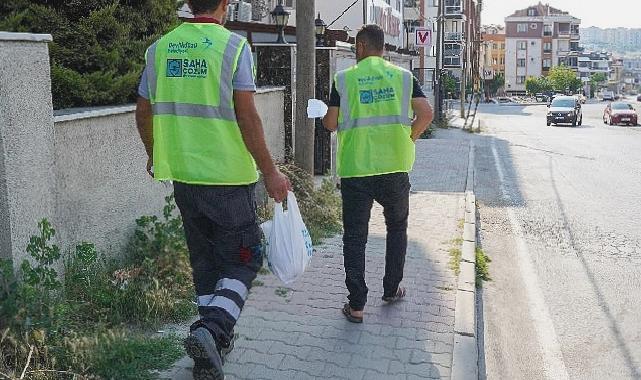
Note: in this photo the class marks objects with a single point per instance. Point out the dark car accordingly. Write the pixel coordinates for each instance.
(639, 98)
(620, 113)
(565, 110)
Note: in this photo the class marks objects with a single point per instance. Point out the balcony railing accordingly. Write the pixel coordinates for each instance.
(453, 36)
(547, 33)
(453, 8)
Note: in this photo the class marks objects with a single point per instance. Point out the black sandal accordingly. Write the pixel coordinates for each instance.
(347, 312)
(400, 294)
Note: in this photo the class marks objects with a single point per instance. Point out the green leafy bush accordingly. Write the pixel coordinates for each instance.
(98, 47)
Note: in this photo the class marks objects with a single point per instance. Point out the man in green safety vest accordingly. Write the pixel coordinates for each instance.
(379, 111)
(200, 127)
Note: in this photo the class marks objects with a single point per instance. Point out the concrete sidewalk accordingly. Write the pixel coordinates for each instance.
(298, 332)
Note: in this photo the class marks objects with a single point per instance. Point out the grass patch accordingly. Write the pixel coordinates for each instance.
(482, 267)
(455, 260)
(257, 283)
(461, 223)
(93, 321)
(263, 271)
(135, 358)
(281, 292)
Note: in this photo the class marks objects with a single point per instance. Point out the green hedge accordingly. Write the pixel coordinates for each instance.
(97, 54)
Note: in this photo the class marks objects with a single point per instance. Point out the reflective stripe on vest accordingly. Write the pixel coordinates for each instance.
(197, 139)
(226, 90)
(348, 122)
(374, 133)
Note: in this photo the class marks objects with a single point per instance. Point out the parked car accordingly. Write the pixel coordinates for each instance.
(639, 98)
(607, 96)
(617, 113)
(565, 110)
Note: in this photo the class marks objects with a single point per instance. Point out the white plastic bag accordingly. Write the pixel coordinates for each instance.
(289, 245)
(316, 108)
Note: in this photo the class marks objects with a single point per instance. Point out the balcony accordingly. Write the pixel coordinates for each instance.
(452, 62)
(453, 36)
(575, 36)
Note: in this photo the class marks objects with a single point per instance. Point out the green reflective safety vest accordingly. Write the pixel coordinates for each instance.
(374, 123)
(197, 139)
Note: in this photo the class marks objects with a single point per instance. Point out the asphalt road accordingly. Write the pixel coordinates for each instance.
(560, 216)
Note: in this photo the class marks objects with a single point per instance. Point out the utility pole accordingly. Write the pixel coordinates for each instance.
(438, 72)
(365, 12)
(305, 84)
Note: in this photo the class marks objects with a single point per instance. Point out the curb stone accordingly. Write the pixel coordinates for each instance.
(465, 355)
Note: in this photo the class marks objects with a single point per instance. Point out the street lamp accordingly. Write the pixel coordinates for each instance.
(281, 18)
(320, 27)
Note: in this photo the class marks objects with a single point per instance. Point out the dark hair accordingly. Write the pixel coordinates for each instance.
(372, 36)
(203, 6)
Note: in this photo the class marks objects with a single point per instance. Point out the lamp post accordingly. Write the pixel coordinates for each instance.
(281, 18)
(320, 28)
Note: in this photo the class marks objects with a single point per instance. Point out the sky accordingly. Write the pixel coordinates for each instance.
(591, 12)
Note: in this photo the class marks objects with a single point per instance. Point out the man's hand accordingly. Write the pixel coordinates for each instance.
(277, 185)
(150, 164)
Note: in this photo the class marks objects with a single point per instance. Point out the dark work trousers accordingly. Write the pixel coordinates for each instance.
(224, 242)
(392, 192)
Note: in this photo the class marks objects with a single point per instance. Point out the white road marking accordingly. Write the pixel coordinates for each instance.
(553, 364)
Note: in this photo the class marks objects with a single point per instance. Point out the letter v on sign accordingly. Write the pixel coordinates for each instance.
(423, 37)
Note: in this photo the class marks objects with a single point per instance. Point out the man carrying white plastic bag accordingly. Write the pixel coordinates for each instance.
(289, 244)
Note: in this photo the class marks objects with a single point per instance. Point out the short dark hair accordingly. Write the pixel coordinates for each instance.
(203, 6)
(372, 36)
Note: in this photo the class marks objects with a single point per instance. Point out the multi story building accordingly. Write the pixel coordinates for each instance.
(611, 39)
(493, 57)
(538, 38)
(461, 40)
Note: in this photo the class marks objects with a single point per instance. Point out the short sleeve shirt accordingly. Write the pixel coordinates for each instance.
(335, 98)
(243, 77)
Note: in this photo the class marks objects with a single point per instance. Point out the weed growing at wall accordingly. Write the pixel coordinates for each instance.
(94, 321)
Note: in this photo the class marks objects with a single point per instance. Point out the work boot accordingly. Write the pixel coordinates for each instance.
(201, 346)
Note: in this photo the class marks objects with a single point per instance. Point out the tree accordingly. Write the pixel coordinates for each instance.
(97, 53)
(449, 84)
(496, 83)
(564, 79)
(534, 85)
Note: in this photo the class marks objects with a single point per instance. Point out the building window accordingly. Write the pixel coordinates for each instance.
(521, 28)
(503, 46)
(547, 30)
(547, 47)
(520, 79)
(495, 61)
(547, 63)
(522, 45)
(290, 3)
(520, 62)
(495, 46)
(531, 12)
(502, 61)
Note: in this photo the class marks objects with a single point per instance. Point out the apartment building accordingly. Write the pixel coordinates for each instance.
(538, 38)
(493, 50)
(461, 39)
(611, 39)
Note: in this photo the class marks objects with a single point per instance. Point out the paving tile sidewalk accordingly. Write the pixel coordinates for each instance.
(298, 332)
